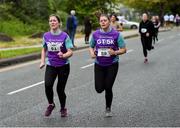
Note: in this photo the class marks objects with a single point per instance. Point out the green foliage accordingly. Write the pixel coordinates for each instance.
(25, 17)
(22, 17)
(90, 8)
(154, 6)
(29, 10)
(56, 5)
(5, 12)
(16, 27)
(63, 15)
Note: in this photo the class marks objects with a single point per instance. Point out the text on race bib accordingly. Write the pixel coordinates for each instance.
(103, 52)
(143, 30)
(54, 47)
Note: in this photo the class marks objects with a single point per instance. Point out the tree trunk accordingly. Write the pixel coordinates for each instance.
(161, 15)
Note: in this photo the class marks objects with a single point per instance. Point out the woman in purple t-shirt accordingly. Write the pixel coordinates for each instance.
(105, 46)
(57, 48)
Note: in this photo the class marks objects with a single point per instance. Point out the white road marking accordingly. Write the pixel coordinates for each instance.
(130, 50)
(22, 89)
(39, 83)
(89, 65)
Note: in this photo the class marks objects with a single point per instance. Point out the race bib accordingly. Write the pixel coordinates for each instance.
(103, 52)
(143, 30)
(54, 47)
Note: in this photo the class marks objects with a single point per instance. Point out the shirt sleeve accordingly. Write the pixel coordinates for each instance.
(68, 43)
(92, 42)
(121, 42)
(44, 43)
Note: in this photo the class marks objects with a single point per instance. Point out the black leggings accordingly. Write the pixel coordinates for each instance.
(50, 77)
(87, 37)
(155, 36)
(104, 80)
(146, 44)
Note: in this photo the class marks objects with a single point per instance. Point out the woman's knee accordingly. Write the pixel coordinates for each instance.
(99, 90)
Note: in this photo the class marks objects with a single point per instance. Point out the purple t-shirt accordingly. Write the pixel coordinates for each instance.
(103, 42)
(55, 44)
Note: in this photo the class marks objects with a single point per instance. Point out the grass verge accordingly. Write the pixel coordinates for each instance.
(21, 41)
(18, 52)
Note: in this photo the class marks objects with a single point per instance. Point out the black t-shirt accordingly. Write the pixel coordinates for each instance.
(146, 27)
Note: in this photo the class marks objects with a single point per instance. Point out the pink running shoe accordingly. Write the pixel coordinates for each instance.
(49, 109)
(63, 112)
(145, 60)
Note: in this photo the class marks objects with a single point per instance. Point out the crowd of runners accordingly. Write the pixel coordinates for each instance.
(105, 46)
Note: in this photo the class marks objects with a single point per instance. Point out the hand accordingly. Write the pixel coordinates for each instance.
(41, 65)
(93, 55)
(147, 34)
(60, 54)
(111, 52)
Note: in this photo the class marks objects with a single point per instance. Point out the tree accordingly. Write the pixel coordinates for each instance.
(29, 10)
(36, 12)
(154, 7)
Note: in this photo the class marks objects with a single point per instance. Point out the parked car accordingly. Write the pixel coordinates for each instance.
(128, 24)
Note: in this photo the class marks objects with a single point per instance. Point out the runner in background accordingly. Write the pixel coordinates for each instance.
(177, 20)
(114, 23)
(156, 22)
(146, 30)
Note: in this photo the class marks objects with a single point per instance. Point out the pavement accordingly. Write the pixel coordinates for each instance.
(79, 42)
